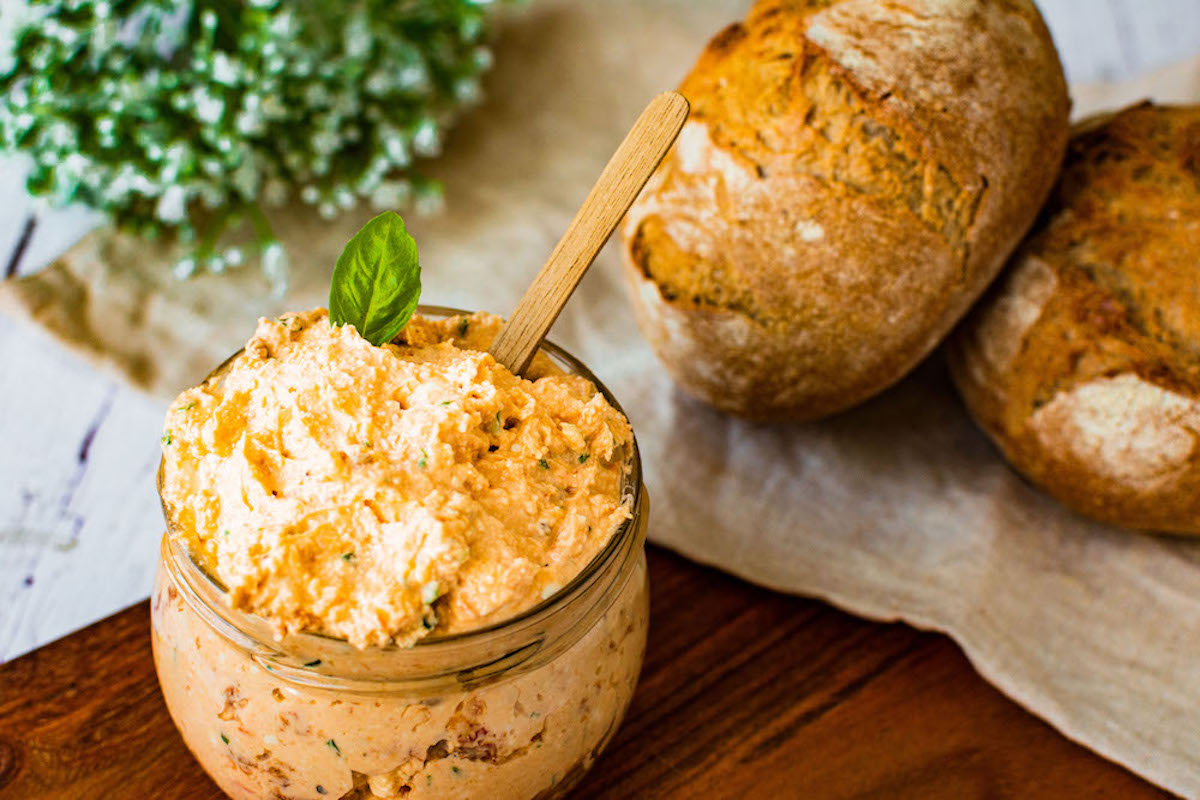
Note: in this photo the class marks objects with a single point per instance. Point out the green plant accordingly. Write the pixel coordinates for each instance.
(376, 283)
(184, 118)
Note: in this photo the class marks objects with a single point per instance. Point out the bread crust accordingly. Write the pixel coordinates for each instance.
(1083, 364)
(853, 175)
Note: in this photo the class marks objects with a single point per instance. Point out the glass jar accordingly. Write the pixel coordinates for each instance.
(517, 710)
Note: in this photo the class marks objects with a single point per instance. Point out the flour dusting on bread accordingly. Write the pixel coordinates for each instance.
(1126, 428)
(851, 178)
(1084, 364)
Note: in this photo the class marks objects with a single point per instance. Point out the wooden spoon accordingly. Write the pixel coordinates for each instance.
(627, 172)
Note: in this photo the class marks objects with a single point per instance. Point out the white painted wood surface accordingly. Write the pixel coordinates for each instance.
(79, 517)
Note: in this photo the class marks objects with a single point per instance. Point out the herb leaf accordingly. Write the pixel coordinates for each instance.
(377, 280)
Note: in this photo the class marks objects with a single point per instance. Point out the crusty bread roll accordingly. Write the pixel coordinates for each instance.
(853, 174)
(1083, 364)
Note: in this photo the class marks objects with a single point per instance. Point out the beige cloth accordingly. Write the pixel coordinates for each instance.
(897, 510)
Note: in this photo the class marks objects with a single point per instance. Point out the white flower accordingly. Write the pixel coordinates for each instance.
(413, 78)
(397, 150)
(356, 37)
(427, 140)
(180, 119)
(184, 268)
(275, 267)
(209, 109)
(172, 207)
(391, 194)
(224, 70)
(245, 178)
(325, 142)
(250, 119)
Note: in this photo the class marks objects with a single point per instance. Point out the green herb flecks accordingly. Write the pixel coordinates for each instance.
(423, 461)
(224, 738)
(166, 439)
(291, 324)
(495, 425)
(463, 324)
(347, 557)
(316, 662)
(333, 744)
(377, 280)
(543, 463)
(584, 457)
(456, 770)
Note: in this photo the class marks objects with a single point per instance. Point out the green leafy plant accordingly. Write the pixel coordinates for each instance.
(377, 280)
(183, 118)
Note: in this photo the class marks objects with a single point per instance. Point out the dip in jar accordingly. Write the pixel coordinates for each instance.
(398, 571)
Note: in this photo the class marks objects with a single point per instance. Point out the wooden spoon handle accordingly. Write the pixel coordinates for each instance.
(627, 172)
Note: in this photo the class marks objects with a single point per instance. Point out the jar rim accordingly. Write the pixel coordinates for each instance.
(206, 589)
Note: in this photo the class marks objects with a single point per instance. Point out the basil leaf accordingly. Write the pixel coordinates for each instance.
(377, 280)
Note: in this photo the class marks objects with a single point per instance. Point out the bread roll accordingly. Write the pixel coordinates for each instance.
(853, 174)
(1083, 365)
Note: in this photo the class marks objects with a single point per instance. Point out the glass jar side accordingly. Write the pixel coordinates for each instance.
(518, 710)
(530, 734)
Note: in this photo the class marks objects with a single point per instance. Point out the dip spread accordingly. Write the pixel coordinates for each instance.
(379, 494)
(521, 734)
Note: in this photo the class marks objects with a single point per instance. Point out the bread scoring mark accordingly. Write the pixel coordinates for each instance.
(816, 120)
(1000, 334)
(775, 121)
(1120, 234)
(929, 188)
(691, 351)
(1128, 205)
(1129, 430)
(677, 226)
(717, 169)
(694, 150)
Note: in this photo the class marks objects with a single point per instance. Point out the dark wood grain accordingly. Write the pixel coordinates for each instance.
(745, 694)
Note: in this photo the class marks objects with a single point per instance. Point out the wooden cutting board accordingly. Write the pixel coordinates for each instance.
(745, 694)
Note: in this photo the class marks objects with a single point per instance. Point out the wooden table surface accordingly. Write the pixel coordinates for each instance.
(745, 694)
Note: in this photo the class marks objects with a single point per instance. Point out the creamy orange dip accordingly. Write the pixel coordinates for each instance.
(382, 493)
